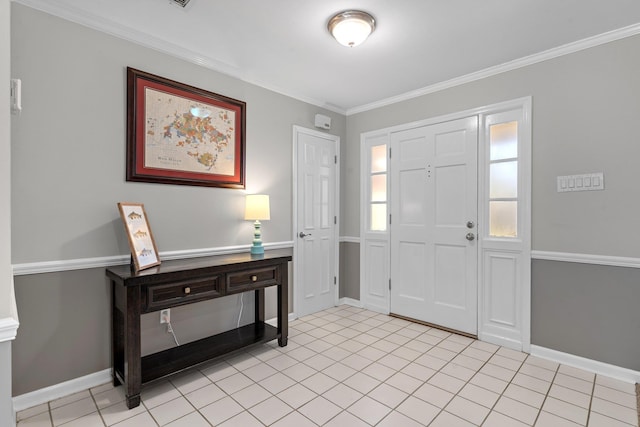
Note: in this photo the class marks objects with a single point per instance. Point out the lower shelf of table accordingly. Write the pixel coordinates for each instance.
(176, 359)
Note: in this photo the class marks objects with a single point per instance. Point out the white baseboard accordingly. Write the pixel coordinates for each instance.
(500, 340)
(44, 395)
(350, 301)
(349, 239)
(600, 368)
(47, 394)
(274, 322)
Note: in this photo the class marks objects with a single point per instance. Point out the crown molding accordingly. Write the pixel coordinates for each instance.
(164, 46)
(556, 52)
(117, 30)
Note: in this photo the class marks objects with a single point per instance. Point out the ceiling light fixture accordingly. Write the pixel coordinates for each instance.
(351, 27)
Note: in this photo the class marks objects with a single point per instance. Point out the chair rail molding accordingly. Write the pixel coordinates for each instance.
(615, 261)
(23, 269)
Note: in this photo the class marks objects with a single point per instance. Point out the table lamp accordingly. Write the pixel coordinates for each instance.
(257, 208)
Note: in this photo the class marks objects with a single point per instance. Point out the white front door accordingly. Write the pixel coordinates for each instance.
(315, 247)
(433, 224)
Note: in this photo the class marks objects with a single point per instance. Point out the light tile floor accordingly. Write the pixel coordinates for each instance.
(351, 367)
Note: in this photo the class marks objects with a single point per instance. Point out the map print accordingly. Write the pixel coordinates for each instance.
(188, 136)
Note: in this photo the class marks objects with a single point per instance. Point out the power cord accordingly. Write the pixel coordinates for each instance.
(170, 330)
(241, 308)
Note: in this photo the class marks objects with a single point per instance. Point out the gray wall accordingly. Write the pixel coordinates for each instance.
(587, 310)
(69, 149)
(68, 173)
(585, 114)
(349, 270)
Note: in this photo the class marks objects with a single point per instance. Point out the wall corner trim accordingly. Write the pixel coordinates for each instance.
(599, 368)
(44, 395)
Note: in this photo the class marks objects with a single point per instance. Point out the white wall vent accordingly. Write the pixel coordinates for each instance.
(182, 3)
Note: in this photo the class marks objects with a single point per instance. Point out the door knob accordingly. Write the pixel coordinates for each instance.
(470, 236)
(470, 224)
(302, 235)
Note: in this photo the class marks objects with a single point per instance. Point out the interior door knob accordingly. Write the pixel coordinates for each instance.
(470, 224)
(470, 236)
(302, 235)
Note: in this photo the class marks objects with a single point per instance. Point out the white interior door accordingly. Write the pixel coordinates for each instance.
(315, 220)
(433, 224)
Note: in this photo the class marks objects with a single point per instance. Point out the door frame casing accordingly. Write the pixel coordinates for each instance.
(524, 277)
(294, 215)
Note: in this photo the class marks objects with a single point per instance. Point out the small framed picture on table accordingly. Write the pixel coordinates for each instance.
(143, 247)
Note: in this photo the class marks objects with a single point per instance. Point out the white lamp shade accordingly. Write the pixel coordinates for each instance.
(257, 207)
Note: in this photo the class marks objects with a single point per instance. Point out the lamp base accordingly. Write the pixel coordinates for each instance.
(257, 248)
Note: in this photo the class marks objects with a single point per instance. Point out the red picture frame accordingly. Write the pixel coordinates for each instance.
(180, 134)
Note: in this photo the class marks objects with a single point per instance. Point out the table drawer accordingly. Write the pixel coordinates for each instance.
(184, 292)
(252, 279)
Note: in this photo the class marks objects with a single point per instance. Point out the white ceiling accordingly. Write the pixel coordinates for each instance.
(284, 45)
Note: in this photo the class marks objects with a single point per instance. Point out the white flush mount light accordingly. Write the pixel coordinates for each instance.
(351, 27)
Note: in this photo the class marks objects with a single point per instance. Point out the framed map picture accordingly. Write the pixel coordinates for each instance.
(143, 248)
(179, 134)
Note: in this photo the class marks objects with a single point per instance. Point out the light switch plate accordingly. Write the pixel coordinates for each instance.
(584, 182)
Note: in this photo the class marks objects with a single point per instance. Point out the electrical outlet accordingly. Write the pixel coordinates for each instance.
(165, 315)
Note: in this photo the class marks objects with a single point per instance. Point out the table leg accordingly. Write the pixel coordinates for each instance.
(117, 337)
(283, 306)
(259, 305)
(133, 362)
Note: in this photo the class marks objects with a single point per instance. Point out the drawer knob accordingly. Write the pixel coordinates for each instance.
(187, 290)
(254, 278)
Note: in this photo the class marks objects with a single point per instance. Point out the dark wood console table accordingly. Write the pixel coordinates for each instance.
(180, 282)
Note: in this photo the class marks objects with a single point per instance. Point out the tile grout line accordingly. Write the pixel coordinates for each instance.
(97, 407)
(593, 390)
(555, 374)
(466, 382)
(484, 420)
(50, 413)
